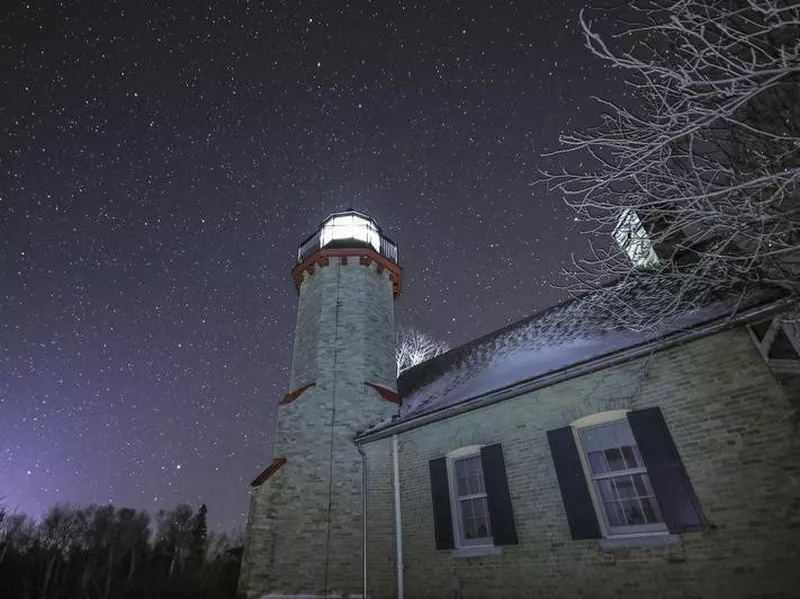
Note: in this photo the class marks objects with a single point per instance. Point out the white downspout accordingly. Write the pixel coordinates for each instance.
(363, 517)
(398, 519)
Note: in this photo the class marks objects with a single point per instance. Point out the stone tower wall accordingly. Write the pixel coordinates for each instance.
(344, 337)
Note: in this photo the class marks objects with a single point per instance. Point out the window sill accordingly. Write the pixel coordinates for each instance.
(639, 541)
(477, 551)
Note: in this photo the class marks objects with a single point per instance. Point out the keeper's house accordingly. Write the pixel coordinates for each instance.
(558, 457)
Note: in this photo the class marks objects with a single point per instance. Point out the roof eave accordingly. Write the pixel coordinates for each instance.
(558, 376)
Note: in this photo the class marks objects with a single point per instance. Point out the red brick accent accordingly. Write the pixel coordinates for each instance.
(386, 393)
(292, 395)
(366, 257)
(276, 465)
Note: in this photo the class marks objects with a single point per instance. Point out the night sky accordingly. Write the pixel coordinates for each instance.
(159, 164)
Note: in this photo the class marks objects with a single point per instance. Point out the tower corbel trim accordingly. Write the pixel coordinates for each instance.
(366, 257)
(386, 393)
(277, 464)
(292, 395)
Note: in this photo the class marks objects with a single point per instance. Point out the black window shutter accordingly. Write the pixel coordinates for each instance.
(575, 494)
(498, 498)
(674, 493)
(440, 492)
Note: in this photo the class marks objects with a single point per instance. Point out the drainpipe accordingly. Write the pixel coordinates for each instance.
(363, 517)
(398, 519)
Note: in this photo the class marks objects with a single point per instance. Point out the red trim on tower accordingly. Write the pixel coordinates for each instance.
(366, 258)
(276, 465)
(292, 395)
(386, 393)
(297, 276)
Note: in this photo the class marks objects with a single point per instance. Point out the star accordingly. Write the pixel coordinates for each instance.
(161, 165)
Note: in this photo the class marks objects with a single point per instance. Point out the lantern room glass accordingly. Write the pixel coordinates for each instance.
(350, 226)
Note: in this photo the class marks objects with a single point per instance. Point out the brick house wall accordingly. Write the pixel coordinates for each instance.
(734, 427)
(381, 540)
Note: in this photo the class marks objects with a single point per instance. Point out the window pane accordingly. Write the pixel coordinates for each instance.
(607, 436)
(462, 486)
(625, 488)
(482, 529)
(466, 518)
(614, 459)
(485, 527)
(597, 462)
(479, 482)
(461, 469)
(469, 484)
(614, 514)
(630, 457)
(480, 509)
(475, 519)
(641, 486)
(597, 438)
(633, 512)
(469, 476)
(606, 489)
(649, 510)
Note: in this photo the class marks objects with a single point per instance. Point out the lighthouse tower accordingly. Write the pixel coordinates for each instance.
(304, 529)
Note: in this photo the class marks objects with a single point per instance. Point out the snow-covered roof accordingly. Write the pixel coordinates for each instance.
(561, 337)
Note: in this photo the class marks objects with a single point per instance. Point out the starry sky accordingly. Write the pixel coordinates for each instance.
(161, 161)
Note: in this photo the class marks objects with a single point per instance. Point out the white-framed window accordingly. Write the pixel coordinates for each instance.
(633, 239)
(620, 486)
(778, 341)
(469, 504)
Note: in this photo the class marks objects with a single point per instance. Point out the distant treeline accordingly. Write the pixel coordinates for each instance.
(99, 552)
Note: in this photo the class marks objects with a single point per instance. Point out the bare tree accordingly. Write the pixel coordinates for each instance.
(174, 533)
(60, 533)
(414, 346)
(134, 534)
(99, 552)
(696, 180)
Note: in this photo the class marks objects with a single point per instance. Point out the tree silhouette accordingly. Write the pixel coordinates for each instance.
(99, 552)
